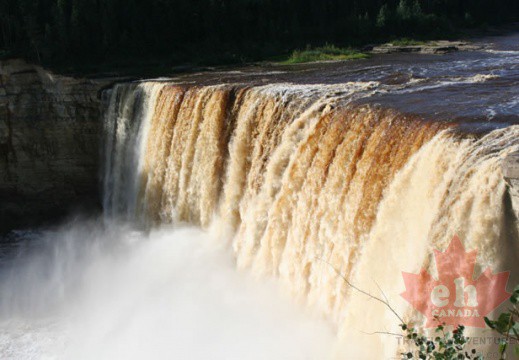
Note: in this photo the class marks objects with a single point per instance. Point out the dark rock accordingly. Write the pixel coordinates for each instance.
(50, 129)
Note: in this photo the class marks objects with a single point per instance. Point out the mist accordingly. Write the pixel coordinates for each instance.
(88, 290)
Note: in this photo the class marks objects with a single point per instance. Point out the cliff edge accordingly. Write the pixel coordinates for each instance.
(50, 127)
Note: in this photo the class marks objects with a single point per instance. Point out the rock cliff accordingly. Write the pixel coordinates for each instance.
(511, 173)
(50, 130)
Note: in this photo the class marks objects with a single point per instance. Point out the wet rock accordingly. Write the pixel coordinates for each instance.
(436, 47)
(510, 168)
(50, 129)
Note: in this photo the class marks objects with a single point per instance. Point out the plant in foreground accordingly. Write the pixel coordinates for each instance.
(443, 346)
(507, 324)
(450, 346)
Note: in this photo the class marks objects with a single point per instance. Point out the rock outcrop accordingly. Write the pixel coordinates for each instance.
(510, 167)
(50, 130)
(435, 47)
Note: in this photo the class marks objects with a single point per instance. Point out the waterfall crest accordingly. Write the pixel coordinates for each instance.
(301, 182)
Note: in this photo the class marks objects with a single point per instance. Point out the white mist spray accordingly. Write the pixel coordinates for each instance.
(88, 292)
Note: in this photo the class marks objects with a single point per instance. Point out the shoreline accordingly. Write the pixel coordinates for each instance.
(462, 40)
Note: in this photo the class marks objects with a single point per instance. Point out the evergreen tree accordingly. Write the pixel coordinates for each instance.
(78, 31)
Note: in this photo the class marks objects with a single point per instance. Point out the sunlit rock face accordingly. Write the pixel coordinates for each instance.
(510, 168)
(49, 136)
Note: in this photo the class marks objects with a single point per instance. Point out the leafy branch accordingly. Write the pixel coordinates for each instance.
(507, 324)
(443, 346)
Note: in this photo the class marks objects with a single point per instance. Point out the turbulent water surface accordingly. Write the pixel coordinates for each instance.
(362, 168)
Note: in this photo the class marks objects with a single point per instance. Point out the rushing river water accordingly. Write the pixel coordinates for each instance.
(473, 86)
(287, 174)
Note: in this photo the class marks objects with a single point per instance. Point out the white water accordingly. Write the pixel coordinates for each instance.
(291, 181)
(87, 292)
(291, 176)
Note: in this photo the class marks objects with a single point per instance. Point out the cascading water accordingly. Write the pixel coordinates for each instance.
(293, 176)
(303, 183)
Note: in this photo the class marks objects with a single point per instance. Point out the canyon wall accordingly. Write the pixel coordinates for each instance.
(50, 128)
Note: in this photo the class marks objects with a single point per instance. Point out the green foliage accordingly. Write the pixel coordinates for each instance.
(507, 324)
(384, 16)
(443, 346)
(447, 346)
(324, 53)
(71, 32)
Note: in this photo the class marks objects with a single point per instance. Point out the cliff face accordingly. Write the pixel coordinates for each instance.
(50, 128)
(511, 173)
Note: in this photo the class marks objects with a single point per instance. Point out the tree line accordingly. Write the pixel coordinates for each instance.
(73, 31)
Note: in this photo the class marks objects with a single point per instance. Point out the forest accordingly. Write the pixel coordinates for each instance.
(68, 32)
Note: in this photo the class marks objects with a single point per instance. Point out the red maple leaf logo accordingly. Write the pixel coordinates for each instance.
(455, 298)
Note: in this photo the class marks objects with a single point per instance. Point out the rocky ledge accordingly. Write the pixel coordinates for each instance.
(510, 167)
(50, 128)
(436, 47)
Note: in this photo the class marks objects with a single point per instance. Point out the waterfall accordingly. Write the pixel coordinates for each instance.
(123, 150)
(302, 182)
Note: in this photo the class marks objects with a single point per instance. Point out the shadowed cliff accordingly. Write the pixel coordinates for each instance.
(49, 144)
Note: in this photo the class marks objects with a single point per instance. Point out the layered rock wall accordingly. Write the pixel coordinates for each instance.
(50, 128)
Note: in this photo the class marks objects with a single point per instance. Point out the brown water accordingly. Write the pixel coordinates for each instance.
(476, 87)
(362, 166)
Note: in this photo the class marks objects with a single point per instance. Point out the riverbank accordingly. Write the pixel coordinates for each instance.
(141, 67)
(329, 53)
(437, 47)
